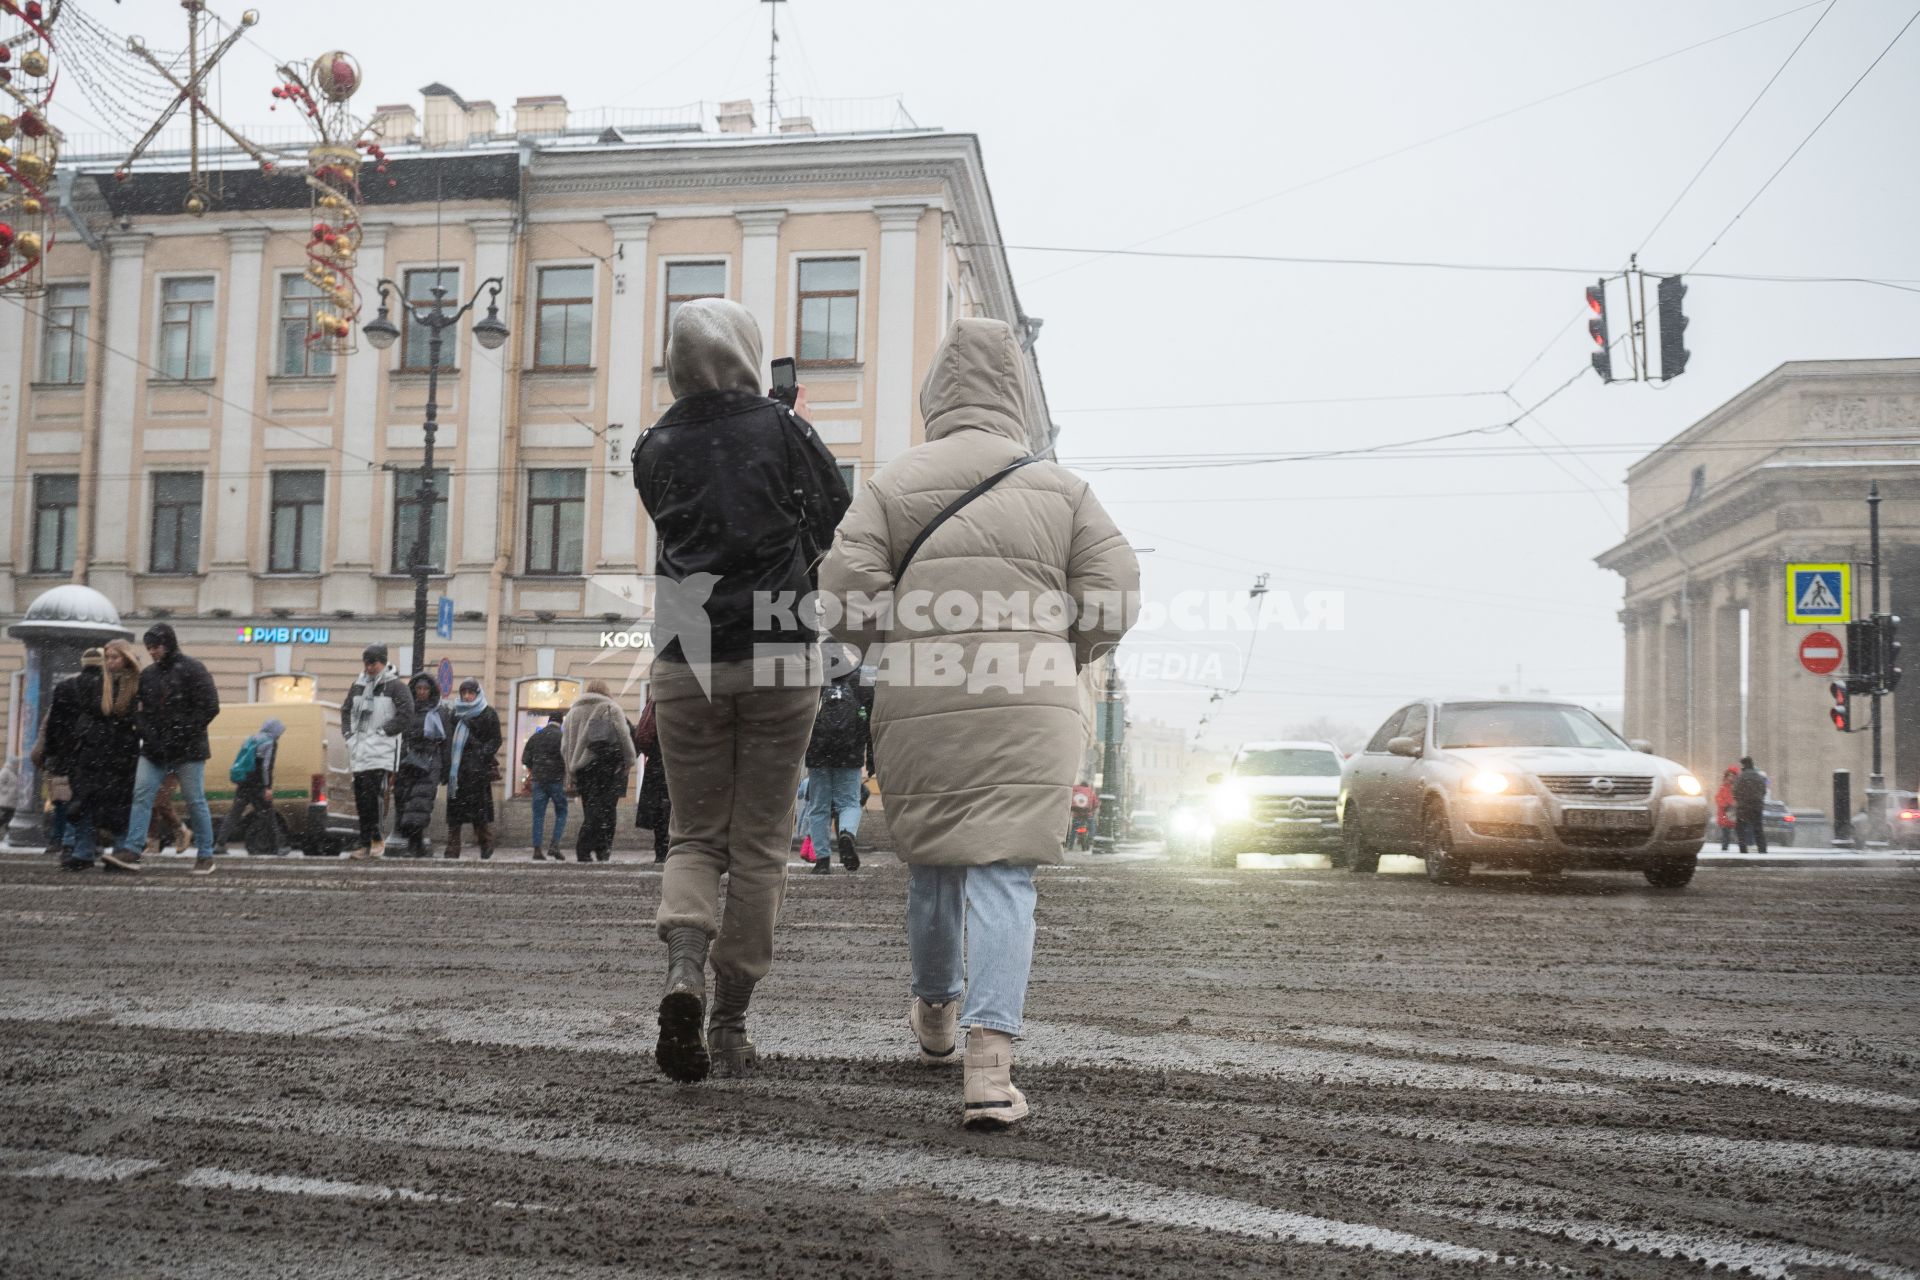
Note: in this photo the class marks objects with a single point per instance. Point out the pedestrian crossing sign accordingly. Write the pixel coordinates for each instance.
(1818, 593)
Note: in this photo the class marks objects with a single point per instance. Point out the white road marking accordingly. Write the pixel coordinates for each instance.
(76, 1168)
(280, 1184)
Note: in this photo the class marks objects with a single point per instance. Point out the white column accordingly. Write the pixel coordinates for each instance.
(228, 581)
(359, 542)
(482, 421)
(13, 342)
(760, 275)
(627, 379)
(109, 571)
(894, 391)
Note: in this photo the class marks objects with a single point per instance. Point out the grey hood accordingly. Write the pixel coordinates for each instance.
(714, 346)
(975, 382)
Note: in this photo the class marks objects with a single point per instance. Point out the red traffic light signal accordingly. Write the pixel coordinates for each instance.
(1842, 709)
(1597, 330)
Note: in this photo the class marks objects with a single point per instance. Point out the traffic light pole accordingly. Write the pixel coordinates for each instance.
(1876, 780)
(1109, 834)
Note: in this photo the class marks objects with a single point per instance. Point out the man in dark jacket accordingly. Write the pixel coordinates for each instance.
(744, 498)
(841, 744)
(177, 703)
(1749, 805)
(547, 775)
(253, 793)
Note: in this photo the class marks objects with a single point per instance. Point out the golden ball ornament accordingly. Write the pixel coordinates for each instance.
(34, 62)
(196, 204)
(34, 169)
(30, 206)
(28, 244)
(6, 128)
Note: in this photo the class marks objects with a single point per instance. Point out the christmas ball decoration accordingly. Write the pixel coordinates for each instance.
(6, 128)
(28, 244)
(6, 53)
(335, 76)
(33, 169)
(196, 204)
(34, 63)
(30, 206)
(32, 125)
(6, 234)
(6, 155)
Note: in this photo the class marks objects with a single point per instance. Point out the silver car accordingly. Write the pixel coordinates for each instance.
(1530, 784)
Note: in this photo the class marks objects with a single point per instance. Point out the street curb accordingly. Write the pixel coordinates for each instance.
(1838, 858)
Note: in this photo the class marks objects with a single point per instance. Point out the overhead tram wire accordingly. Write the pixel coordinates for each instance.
(1441, 137)
(1878, 58)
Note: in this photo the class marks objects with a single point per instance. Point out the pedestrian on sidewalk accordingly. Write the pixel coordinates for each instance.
(164, 829)
(177, 703)
(976, 782)
(49, 759)
(416, 786)
(377, 718)
(744, 498)
(838, 750)
(12, 791)
(1749, 805)
(473, 734)
(1723, 805)
(547, 777)
(104, 751)
(653, 812)
(252, 778)
(596, 743)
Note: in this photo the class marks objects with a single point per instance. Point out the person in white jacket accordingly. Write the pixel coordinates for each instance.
(376, 716)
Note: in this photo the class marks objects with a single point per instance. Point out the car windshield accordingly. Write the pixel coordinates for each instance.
(1523, 724)
(1287, 762)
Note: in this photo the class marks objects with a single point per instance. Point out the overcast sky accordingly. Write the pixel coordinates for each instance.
(1195, 128)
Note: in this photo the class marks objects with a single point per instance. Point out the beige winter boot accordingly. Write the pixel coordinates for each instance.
(991, 1100)
(937, 1029)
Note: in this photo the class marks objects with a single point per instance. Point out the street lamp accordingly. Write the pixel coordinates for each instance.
(490, 332)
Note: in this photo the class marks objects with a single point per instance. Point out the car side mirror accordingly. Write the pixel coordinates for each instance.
(1215, 779)
(1403, 747)
(1641, 745)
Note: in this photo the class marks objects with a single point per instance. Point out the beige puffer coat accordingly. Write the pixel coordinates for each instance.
(979, 772)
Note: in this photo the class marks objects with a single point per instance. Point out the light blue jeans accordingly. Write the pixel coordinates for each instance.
(545, 793)
(193, 793)
(831, 791)
(973, 927)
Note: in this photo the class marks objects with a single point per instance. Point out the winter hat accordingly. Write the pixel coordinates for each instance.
(161, 633)
(273, 728)
(374, 653)
(93, 658)
(469, 683)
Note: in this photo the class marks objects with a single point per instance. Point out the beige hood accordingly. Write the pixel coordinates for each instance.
(714, 346)
(975, 382)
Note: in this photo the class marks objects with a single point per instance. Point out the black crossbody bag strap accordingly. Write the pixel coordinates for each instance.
(953, 508)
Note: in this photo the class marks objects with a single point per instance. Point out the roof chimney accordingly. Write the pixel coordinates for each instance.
(445, 123)
(545, 114)
(396, 123)
(736, 116)
(482, 119)
(796, 124)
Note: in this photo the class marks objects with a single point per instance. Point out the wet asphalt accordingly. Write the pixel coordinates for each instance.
(319, 1069)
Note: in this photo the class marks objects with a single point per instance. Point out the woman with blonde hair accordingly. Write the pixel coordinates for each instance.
(104, 752)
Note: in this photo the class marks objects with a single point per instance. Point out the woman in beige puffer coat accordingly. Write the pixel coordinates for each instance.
(978, 724)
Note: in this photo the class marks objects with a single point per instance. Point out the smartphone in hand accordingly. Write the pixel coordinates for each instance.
(786, 382)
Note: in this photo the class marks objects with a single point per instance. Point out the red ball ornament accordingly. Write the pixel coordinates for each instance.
(6, 234)
(31, 125)
(393, 182)
(6, 53)
(33, 10)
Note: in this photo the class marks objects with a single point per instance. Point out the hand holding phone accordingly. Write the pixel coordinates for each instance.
(786, 382)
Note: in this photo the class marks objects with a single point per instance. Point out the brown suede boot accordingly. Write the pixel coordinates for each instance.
(727, 1044)
(991, 1100)
(483, 832)
(682, 1048)
(453, 840)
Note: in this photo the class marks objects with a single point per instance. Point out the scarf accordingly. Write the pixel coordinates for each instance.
(462, 713)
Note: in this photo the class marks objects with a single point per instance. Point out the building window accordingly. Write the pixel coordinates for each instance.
(406, 520)
(563, 320)
(848, 470)
(556, 521)
(829, 310)
(63, 346)
(175, 545)
(416, 347)
(300, 354)
(56, 522)
(297, 521)
(186, 328)
(689, 280)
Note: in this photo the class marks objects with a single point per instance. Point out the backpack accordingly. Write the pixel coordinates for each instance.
(838, 721)
(246, 764)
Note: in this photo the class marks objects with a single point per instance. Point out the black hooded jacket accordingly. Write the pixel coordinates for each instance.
(177, 703)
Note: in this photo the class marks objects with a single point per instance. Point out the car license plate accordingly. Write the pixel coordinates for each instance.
(1608, 819)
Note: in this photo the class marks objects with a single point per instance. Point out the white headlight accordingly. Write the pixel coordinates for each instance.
(1489, 783)
(1230, 803)
(1688, 784)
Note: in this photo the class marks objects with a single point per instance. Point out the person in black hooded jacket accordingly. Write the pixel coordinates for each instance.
(177, 703)
(423, 762)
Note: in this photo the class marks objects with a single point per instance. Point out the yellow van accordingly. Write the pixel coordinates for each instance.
(310, 768)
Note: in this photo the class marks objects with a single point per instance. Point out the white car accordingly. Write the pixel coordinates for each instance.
(1277, 797)
(1518, 783)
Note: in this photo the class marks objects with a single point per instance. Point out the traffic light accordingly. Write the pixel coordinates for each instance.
(1597, 329)
(1889, 629)
(1673, 329)
(1842, 709)
(1863, 655)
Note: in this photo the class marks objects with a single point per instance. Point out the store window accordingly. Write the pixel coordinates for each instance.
(534, 701)
(285, 687)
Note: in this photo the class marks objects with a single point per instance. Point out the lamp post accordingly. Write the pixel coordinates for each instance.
(490, 332)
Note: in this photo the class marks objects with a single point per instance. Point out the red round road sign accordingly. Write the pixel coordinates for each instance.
(1820, 653)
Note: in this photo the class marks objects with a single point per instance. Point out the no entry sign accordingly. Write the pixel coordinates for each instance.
(1820, 653)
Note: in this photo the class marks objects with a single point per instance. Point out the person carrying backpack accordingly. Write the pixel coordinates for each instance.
(835, 754)
(597, 744)
(252, 778)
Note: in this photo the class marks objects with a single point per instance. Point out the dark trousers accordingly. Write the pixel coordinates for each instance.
(1750, 831)
(369, 790)
(600, 804)
(660, 841)
(250, 804)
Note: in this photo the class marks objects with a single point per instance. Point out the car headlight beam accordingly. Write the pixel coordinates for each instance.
(1688, 784)
(1230, 804)
(1490, 782)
